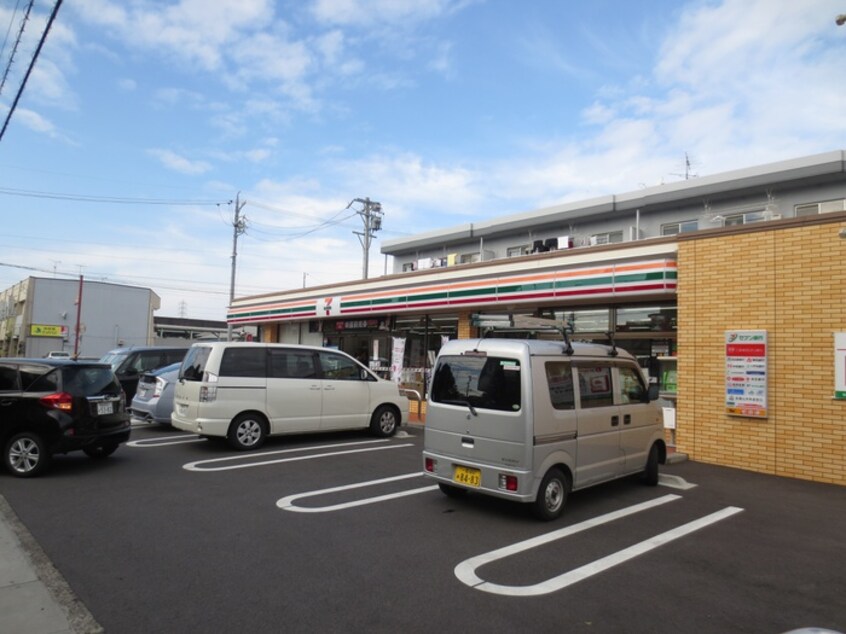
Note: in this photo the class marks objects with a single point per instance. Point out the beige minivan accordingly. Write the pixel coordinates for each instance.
(531, 420)
(245, 392)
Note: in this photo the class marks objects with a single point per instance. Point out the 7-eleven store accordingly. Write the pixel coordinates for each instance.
(781, 282)
(397, 323)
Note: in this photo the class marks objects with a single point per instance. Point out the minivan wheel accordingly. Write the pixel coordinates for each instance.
(247, 431)
(650, 473)
(552, 495)
(26, 455)
(101, 451)
(384, 422)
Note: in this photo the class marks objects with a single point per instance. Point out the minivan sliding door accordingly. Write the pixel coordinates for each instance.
(599, 455)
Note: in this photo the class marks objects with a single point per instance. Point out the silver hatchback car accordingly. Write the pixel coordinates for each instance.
(153, 400)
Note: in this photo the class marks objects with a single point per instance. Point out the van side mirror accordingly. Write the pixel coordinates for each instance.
(652, 394)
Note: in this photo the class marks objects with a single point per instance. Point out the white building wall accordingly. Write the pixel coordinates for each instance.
(111, 316)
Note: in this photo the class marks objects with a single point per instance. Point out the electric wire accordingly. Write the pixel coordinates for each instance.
(17, 40)
(118, 200)
(35, 55)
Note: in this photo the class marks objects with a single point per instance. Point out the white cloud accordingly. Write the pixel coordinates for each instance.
(194, 30)
(127, 85)
(178, 163)
(368, 12)
(737, 83)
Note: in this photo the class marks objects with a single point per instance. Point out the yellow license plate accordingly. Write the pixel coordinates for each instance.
(468, 476)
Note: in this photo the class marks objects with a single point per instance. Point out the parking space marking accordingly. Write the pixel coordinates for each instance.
(287, 503)
(466, 570)
(162, 441)
(195, 466)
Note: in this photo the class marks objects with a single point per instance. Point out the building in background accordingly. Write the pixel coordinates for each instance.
(730, 290)
(43, 315)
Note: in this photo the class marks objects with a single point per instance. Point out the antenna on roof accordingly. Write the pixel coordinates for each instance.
(613, 351)
(687, 169)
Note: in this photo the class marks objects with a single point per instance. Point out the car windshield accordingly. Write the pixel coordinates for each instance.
(114, 359)
(173, 367)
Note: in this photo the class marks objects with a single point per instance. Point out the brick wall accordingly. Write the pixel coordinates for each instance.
(788, 278)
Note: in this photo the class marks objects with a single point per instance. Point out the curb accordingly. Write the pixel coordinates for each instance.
(79, 619)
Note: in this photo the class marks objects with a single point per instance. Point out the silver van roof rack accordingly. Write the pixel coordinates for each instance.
(613, 351)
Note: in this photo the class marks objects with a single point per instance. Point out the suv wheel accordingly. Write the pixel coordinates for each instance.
(384, 422)
(247, 431)
(25, 455)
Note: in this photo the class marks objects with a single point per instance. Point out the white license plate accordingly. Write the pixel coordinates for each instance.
(105, 408)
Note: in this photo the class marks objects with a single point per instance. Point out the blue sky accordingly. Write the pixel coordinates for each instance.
(143, 119)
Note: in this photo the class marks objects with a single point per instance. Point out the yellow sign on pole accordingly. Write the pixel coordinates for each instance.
(44, 330)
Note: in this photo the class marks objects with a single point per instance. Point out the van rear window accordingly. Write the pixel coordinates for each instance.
(481, 382)
(194, 363)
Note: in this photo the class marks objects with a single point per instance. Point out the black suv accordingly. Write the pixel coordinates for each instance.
(130, 363)
(50, 406)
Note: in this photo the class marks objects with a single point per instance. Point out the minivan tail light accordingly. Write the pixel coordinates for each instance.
(60, 400)
(507, 482)
(429, 465)
(208, 393)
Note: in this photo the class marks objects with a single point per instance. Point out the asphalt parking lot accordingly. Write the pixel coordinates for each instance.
(340, 533)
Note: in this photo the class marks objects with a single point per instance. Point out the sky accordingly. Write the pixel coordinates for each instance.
(143, 122)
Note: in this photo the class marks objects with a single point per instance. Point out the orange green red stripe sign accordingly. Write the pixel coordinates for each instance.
(599, 282)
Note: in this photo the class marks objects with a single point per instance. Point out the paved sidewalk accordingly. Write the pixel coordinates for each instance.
(34, 597)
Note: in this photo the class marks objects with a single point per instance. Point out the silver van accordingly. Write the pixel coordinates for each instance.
(245, 392)
(531, 420)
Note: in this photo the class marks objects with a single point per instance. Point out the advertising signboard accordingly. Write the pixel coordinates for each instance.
(840, 365)
(746, 373)
(46, 330)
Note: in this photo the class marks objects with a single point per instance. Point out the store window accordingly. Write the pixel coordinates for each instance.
(583, 321)
(646, 319)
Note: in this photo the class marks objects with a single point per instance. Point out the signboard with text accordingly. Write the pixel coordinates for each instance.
(746, 373)
(45, 330)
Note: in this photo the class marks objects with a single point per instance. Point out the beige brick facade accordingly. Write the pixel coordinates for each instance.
(788, 278)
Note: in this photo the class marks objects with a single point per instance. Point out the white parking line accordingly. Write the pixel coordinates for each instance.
(466, 570)
(162, 441)
(195, 466)
(287, 503)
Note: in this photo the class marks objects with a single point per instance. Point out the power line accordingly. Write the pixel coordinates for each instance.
(116, 200)
(17, 40)
(30, 67)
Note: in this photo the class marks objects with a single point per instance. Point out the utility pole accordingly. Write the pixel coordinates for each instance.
(239, 226)
(77, 332)
(371, 216)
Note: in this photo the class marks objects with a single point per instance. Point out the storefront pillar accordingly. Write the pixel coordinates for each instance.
(466, 329)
